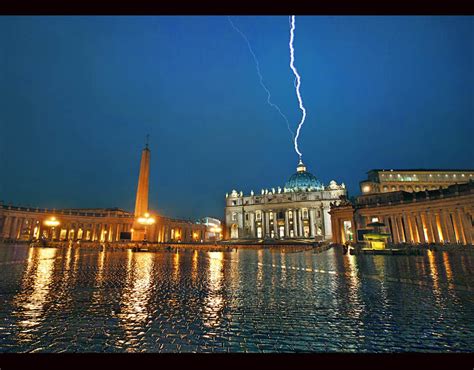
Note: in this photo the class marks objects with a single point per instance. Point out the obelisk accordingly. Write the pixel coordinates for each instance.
(141, 201)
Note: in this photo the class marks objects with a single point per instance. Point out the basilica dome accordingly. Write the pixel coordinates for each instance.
(302, 180)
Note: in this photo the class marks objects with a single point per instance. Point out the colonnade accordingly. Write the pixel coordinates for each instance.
(431, 226)
(28, 226)
(305, 222)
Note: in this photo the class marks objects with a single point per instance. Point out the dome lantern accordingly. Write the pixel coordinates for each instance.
(303, 180)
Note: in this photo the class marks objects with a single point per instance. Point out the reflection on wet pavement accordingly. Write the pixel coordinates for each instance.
(73, 300)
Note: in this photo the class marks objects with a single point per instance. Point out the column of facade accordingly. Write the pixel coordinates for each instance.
(327, 223)
(449, 227)
(275, 224)
(19, 229)
(427, 223)
(287, 225)
(252, 223)
(401, 231)
(419, 223)
(413, 229)
(295, 224)
(39, 226)
(395, 236)
(14, 228)
(30, 228)
(6, 227)
(312, 221)
(467, 226)
(92, 231)
(454, 220)
(460, 226)
(267, 224)
(119, 230)
(442, 225)
(409, 235)
(434, 226)
(300, 223)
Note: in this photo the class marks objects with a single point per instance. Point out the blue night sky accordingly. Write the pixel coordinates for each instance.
(79, 94)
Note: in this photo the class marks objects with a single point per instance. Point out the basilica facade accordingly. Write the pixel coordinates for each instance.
(299, 210)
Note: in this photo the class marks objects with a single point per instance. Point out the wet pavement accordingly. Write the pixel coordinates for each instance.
(84, 300)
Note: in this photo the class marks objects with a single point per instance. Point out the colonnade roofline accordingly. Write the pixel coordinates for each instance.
(106, 212)
(401, 197)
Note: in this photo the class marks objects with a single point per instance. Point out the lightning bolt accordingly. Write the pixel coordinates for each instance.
(257, 65)
(297, 83)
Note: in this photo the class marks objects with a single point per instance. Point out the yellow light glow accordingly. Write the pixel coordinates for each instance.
(366, 189)
(51, 222)
(147, 220)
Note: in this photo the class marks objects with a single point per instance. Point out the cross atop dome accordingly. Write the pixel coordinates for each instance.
(301, 167)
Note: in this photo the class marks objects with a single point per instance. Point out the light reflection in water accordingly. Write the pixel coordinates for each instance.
(176, 267)
(214, 301)
(260, 268)
(194, 268)
(36, 286)
(436, 279)
(136, 295)
(98, 294)
(447, 267)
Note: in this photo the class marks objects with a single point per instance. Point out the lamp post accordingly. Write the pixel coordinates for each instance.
(146, 220)
(51, 222)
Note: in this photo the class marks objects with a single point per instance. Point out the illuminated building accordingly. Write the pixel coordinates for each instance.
(430, 216)
(213, 228)
(298, 210)
(383, 181)
(99, 225)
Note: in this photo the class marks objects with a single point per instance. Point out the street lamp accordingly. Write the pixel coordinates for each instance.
(146, 221)
(51, 222)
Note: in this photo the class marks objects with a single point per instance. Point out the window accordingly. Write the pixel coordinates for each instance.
(305, 213)
(246, 217)
(271, 215)
(234, 202)
(259, 216)
(375, 219)
(290, 214)
(234, 216)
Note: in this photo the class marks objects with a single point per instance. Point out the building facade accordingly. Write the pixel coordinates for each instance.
(99, 225)
(383, 181)
(213, 228)
(433, 216)
(298, 210)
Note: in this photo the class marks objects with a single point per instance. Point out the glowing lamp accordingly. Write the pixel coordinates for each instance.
(51, 222)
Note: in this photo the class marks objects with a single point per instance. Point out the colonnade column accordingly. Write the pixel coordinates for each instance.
(467, 226)
(295, 224)
(275, 224)
(312, 228)
(300, 223)
(449, 227)
(401, 231)
(287, 224)
(419, 226)
(13, 228)
(457, 233)
(427, 226)
(462, 232)
(267, 224)
(409, 236)
(395, 237)
(434, 227)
